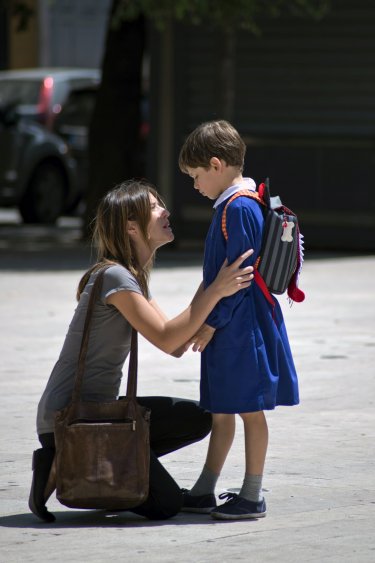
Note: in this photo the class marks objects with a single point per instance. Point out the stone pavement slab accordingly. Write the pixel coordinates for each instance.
(319, 479)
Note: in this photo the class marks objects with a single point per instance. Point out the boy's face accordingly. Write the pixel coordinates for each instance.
(208, 181)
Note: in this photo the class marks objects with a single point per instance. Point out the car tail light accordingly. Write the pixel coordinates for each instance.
(44, 106)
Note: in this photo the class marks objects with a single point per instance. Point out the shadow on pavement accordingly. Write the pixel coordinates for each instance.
(60, 247)
(80, 257)
(103, 519)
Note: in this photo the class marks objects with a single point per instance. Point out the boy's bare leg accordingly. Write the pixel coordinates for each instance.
(256, 442)
(249, 503)
(221, 439)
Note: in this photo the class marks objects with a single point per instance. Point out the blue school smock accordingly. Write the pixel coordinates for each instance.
(248, 364)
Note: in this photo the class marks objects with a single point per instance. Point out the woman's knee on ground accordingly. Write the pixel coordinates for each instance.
(166, 508)
(158, 507)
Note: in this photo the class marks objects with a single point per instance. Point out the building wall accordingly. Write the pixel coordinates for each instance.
(60, 33)
(304, 100)
(3, 38)
(72, 32)
(22, 48)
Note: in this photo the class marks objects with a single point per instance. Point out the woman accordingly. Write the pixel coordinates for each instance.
(131, 223)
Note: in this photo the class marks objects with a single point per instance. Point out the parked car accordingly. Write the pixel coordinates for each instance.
(72, 124)
(40, 93)
(37, 172)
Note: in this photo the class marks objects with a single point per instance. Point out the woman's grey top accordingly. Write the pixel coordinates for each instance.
(109, 345)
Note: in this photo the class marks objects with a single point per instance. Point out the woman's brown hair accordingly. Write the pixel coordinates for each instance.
(129, 201)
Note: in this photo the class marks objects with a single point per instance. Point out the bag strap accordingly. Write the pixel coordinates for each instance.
(133, 360)
(131, 389)
(259, 198)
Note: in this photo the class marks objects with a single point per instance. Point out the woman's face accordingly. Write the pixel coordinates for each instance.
(159, 230)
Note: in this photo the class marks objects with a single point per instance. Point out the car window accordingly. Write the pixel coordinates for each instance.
(23, 92)
(77, 83)
(60, 92)
(78, 108)
(63, 87)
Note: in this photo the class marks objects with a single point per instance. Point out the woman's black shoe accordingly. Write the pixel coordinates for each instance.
(42, 463)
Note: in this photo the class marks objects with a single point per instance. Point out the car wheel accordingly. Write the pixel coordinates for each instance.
(44, 198)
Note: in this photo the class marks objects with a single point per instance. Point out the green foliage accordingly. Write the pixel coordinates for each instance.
(219, 13)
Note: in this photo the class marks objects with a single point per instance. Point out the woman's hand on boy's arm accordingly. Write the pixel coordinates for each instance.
(232, 278)
(202, 338)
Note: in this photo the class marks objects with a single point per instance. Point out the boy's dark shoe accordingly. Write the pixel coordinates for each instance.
(202, 504)
(238, 508)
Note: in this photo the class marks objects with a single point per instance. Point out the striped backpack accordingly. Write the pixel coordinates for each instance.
(280, 260)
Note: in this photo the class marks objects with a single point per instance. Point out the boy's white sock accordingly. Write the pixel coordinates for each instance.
(206, 483)
(252, 487)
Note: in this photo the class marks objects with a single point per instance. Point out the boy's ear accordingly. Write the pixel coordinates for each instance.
(216, 163)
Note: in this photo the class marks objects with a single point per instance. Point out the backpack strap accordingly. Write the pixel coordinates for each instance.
(257, 277)
(247, 193)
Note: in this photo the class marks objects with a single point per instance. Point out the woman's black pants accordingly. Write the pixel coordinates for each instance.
(174, 424)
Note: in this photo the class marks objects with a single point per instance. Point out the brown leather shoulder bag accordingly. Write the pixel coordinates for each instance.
(102, 448)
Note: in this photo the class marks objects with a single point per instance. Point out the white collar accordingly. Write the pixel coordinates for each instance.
(246, 184)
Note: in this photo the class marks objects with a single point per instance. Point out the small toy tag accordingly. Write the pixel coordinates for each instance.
(288, 226)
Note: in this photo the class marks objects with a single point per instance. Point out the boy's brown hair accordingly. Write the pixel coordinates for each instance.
(210, 139)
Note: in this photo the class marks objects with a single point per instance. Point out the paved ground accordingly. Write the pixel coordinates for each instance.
(320, 478)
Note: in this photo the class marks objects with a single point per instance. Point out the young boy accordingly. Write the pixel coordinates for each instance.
(246, 363)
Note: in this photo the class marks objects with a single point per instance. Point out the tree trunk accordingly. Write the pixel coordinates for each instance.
(114, 131)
